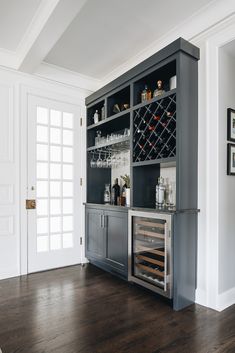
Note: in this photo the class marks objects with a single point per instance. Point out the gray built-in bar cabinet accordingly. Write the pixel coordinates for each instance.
(147, 245)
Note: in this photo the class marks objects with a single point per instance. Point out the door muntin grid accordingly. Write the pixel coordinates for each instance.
(55, 179)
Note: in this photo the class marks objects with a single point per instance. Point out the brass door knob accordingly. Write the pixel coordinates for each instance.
(30, 204)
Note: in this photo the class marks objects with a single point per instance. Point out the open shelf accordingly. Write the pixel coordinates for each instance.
(118, 102)
(162, 73)
(155, 99)
(111, 119)
(164, 162)
(121, 144)
(92, 109)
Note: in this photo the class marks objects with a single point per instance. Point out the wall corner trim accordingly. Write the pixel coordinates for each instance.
(226, 299)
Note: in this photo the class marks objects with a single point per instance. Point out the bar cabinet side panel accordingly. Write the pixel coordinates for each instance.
(187, 132)
(184, 259)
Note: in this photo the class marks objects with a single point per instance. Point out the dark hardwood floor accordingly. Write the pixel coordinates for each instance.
(86, 310)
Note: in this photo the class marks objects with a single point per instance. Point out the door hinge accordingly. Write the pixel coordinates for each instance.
(80, 121)
(80, 181)
(80, 240)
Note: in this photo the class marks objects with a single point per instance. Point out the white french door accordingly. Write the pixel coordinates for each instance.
(54, 227)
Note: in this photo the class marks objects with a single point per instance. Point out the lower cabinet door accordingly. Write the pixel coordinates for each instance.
(116, 225)
(95, 234)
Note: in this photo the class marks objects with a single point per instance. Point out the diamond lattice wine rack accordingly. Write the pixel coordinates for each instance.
(154, 129)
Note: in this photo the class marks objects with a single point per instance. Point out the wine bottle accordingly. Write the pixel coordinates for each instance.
(115, 192)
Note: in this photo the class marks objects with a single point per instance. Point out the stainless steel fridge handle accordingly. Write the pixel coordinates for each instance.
(105, 224)
(101, 223)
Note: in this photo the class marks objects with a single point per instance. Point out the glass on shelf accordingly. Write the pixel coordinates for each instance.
(114, 136)
(98, 137)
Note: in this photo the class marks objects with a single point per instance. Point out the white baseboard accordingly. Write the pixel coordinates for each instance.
(84, 260)
(9, 273)
(226, 299)
(201, 297)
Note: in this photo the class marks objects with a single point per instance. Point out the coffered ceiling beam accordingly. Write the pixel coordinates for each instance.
(41, 39)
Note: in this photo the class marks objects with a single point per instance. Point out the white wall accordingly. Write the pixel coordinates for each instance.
(226, 183)
(14, 90)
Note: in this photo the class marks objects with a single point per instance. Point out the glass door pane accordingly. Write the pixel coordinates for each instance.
(149, 250)
(55, 179)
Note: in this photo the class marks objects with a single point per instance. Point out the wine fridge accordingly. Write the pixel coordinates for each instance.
(150, 251)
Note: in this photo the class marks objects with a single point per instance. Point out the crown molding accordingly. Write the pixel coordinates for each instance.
(65, 76)
(8, 58)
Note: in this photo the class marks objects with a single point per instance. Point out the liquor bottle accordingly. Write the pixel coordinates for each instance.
(149, 94)
(115, 192)
(146, 94)
(167, 193)
(172, 195)
(107, 194)
(157, 193)
(96, 117)
(161, 193)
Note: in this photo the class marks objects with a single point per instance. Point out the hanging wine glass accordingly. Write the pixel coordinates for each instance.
(109, 160)
(104, 162)
(93, 162)
(99, 162)
(114, 161)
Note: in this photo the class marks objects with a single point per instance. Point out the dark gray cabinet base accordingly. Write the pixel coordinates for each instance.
(107, 239)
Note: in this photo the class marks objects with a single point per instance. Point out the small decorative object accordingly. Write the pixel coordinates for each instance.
(231, 124)
(103, 113)
(146, 94)
(116, 108)
(159, 90)
(125, 106)
(96, 117)
(126, 179)
(172, 82)
(230, 159)
(98, 137)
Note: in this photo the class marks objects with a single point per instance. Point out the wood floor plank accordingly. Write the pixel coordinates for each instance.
(85, 310)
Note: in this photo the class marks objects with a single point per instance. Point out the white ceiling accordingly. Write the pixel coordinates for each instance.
(15, 18)
(106, 33)
(86, 42)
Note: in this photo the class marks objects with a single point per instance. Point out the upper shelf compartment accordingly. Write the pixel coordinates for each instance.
(156, 83)
(92, 111)
(118, 102)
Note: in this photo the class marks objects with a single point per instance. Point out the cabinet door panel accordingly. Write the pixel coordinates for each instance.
(116, 224)
(95, 234)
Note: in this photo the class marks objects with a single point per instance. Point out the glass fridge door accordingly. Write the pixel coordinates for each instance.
(151, 251)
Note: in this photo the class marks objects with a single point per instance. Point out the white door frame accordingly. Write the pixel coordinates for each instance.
(25, 92)
(208, 245)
